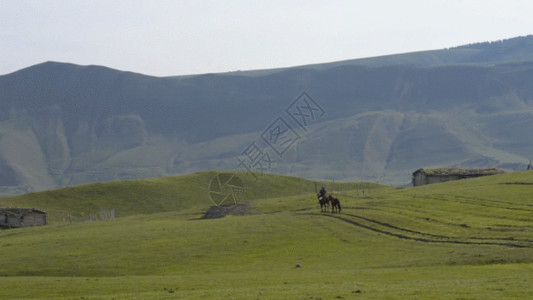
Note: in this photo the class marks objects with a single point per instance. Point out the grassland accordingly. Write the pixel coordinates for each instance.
(470, 239)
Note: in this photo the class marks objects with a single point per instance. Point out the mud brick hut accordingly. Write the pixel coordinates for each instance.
(429, 176)
(21, 217)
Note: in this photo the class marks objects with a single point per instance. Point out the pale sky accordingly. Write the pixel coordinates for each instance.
(165, 38)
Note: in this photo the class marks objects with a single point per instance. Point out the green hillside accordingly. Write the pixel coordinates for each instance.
(155, 195)
(469, 239)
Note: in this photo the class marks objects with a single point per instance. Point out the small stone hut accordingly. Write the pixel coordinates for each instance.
(21, 217)
(429, 176)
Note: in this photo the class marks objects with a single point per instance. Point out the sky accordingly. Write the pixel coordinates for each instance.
(181, 37)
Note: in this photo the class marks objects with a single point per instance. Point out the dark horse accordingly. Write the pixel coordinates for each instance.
(335, 204)
(324, 202)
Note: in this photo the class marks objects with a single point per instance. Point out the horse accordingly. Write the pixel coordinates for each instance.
(324, 202)
(335, 204)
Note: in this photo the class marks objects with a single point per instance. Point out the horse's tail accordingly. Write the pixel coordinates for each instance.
(340, 208)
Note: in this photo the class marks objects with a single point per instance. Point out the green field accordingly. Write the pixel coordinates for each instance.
(469, 239)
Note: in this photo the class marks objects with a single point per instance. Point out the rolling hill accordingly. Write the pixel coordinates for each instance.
(378, 119)
(462, 239)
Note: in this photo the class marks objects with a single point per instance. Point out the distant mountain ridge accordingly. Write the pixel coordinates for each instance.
(517, 49)
(469, 106)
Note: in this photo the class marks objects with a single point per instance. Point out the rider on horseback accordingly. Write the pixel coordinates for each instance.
(323, 191)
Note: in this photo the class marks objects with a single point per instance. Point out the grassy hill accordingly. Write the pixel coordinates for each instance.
(155, 195)
(469, 239)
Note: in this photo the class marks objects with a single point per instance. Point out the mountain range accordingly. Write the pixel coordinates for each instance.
(374, 119)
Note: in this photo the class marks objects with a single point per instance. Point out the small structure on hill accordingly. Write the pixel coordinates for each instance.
(429, 176)
(21, 217)
(221, 211)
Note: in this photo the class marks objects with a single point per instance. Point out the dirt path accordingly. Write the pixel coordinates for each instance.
(424, 237)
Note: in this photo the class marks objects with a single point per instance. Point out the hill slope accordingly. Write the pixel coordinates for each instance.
(147, 196)
(462, 239)
(379, 118)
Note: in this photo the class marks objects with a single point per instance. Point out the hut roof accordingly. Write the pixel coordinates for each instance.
(458, 171)
(20, 211)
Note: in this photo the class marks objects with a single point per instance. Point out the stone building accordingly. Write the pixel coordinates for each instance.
(429, 176)
(21, 217)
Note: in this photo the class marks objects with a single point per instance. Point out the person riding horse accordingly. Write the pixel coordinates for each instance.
(325, 202)
(323, 191)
